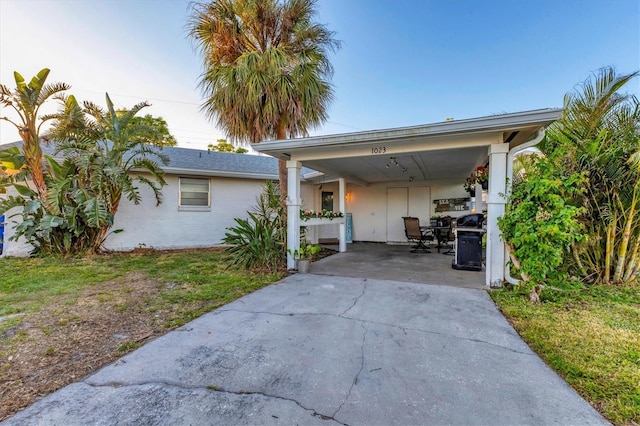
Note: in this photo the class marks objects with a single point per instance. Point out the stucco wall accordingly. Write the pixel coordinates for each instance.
(18, 248)
(171, 226)
(167, 225)
(369, 208)
(368, 205)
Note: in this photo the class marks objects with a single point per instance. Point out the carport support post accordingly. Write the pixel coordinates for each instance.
(293, 211)
(342, 193)
(496, 203)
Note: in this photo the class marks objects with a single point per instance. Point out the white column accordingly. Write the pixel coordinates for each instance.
(293, 211)
(495, 208)
(342, 193)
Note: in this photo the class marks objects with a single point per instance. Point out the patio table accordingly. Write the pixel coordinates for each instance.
(441, 234)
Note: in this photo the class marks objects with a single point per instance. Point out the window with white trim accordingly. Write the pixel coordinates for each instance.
(194, 192)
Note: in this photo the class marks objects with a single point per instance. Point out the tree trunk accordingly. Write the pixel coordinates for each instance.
(516, 262)
(103, 231)
(33, 156)
(283, 176)
(608, 252)
(626, 236)
(632, 264)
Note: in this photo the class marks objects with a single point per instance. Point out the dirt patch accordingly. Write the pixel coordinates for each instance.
(78, 334)
(75, 335)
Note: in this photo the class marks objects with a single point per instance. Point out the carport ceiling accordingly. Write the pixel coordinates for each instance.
(406, 167)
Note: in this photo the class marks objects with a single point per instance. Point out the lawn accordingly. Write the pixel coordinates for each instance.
(591, 338)
(61, 319)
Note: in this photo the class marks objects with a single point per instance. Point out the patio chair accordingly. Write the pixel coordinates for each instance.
(414, 233)
(448, 239)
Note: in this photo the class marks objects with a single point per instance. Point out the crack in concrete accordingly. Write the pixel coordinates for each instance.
(314, 412)
(280, 314)
(355, 379)
(211, 388)
(364, 288)
(438, 333)
(404, 329)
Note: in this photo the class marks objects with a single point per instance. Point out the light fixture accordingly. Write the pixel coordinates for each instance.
(394, 162)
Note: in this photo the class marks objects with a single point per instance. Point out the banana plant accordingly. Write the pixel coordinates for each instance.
(26, 100)
(68, 202)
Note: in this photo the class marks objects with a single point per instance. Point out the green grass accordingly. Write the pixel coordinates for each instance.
(202, 277)
(591, 337)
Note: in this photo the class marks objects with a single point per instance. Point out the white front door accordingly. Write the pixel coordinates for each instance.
(397, 208)
(420, 203)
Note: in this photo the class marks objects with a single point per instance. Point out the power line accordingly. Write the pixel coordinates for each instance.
(143, 97)
(197, 104)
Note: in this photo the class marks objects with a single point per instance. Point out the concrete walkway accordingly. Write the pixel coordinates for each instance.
(324, 350)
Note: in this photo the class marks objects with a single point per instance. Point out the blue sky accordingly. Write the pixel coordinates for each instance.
(403, 62)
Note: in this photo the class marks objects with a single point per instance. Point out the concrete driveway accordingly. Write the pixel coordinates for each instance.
(397, 263)
(323, 350)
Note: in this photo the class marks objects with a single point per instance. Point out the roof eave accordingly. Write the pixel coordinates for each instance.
(219, 173)
(474, 125)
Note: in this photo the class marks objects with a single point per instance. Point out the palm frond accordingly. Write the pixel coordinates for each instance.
(267, 67)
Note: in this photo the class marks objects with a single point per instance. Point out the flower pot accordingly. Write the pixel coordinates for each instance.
(303, 266)
(472, 193)
(485, 184)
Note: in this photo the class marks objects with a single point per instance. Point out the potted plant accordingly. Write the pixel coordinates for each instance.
(482, 176)
(304, 255)
(470, 186)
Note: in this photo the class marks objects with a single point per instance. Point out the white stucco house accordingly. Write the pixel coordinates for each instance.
(205, 191)
(377, 176)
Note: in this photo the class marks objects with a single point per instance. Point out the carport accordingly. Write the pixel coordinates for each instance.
(430, 159)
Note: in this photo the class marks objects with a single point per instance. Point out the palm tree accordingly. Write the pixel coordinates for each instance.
(266, 68)
(599, 132)
(26, 100)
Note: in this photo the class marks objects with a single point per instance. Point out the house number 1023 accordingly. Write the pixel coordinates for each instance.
(378, 149)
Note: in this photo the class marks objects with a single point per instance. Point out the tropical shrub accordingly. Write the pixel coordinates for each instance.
(259, 242)
(599, 133)
(24, 168)
(575, 210)
(68, 230)
(77, 193)
(110, 153)
(542, 223)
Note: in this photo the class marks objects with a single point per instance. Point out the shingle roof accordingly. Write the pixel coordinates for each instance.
(209, 163)
(220, 163)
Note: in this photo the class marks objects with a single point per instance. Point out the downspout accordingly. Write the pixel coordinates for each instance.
(510, 156)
